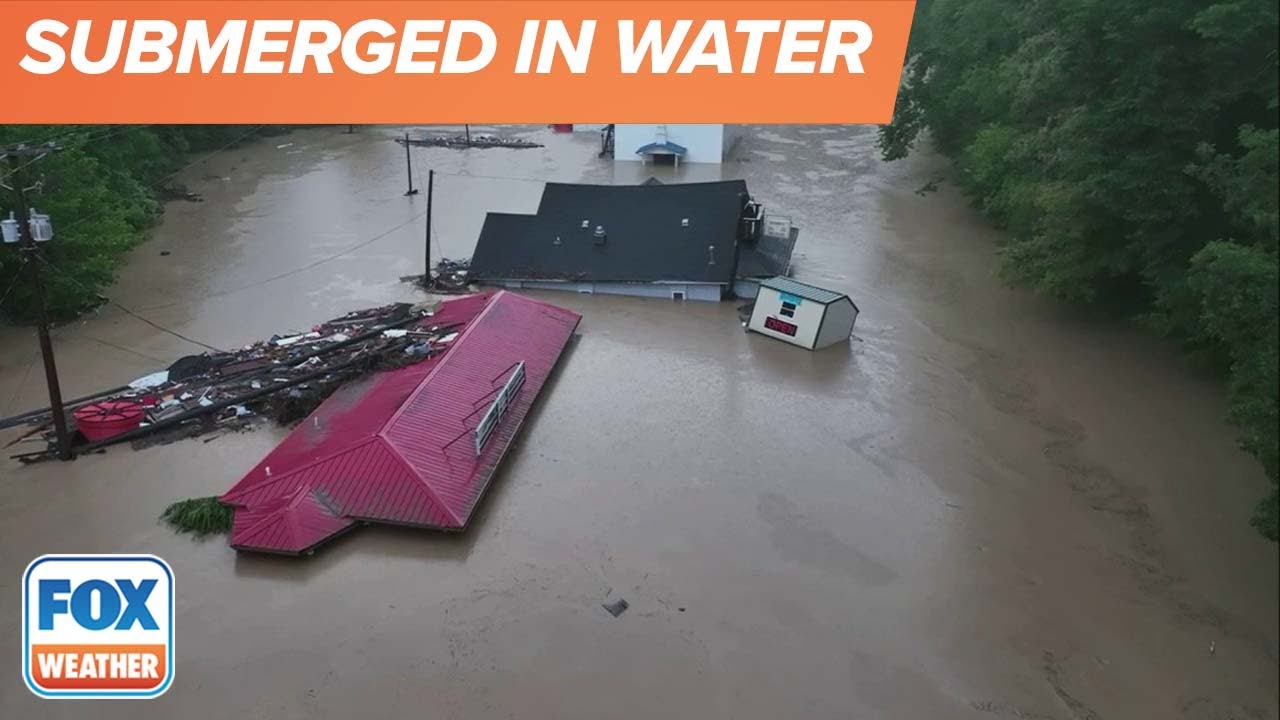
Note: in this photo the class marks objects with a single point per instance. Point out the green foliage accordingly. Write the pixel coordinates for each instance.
(1130, 151)
(100, 190)
(200, 517)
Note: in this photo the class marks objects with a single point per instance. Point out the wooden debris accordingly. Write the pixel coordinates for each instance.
(283, 378)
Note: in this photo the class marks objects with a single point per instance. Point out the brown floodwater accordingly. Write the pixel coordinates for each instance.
(986, 506)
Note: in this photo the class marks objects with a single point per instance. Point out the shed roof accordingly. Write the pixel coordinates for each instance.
(646, 238)
(397, 447)
(803, 290)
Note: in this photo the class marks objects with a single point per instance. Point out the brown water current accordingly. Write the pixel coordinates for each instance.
(987, 506)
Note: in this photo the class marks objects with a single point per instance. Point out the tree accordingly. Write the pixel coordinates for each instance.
(101, 189)
(1129, 149)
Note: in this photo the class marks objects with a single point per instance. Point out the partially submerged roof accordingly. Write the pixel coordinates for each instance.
(768, 256)
(400, 447)
(652, 233)
(803, 290)
(665, 147)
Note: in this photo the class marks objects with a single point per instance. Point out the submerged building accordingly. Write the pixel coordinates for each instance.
(694, 241)
(802, 314)
(417, 446)
(673, 144)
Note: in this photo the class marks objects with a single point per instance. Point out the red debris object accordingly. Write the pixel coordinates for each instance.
(562, 128)
(400, 447)
(108, 418)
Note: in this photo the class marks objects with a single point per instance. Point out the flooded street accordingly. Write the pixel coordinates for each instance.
(987, 506)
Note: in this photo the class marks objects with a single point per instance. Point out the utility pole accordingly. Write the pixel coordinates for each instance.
(408, 166)
(32, 261)
(467, 130)
(431, 181)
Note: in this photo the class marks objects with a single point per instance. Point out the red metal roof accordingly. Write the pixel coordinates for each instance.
(398, 447)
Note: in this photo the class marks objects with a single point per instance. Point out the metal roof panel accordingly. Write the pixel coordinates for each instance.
(398, 447)
(802, 290)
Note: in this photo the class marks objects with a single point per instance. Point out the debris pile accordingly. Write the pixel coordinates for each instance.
(284, 378)
(471, 141)
(179, 192)
(450, 277)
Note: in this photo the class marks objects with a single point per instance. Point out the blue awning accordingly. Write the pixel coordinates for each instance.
(664, 148)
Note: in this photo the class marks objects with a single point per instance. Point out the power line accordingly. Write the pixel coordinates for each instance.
(14, 282)
(330, 258)
(123, 349)
(28, 228)
(129, 312)
(493, 177)
(98, 135)
(94, 135)
(68, 132)
(279, 276)
(171, 175)
(294, 271)
(273, 278)
(435, 240)
(17, 389)
(162, 328)
(13, 171)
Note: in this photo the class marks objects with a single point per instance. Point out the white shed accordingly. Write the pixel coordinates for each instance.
(801, 314)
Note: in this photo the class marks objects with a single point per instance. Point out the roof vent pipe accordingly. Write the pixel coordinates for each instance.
(599, 235)
(711, 254)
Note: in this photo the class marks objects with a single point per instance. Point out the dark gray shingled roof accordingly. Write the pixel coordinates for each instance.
(646, 240)
(770, 255)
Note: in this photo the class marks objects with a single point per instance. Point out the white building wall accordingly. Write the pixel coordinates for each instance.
(808, 317)
(691, 291)
(705, 143)
(838, 325)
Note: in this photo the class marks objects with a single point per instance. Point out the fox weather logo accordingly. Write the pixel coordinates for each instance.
(97, 626)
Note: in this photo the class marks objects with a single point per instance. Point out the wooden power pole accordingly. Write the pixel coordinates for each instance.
(408, 166)
(431, 181)
(33, 261)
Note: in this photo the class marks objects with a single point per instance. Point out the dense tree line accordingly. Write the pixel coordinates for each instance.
(1129, 150)
(102, 189)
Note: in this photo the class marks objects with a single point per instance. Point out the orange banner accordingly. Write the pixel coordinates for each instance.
(393, 61)
(98, 667)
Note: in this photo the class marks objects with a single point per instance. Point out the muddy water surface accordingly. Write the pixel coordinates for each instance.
(985, 507)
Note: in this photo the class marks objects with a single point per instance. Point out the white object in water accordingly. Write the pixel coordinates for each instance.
(149, 381)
